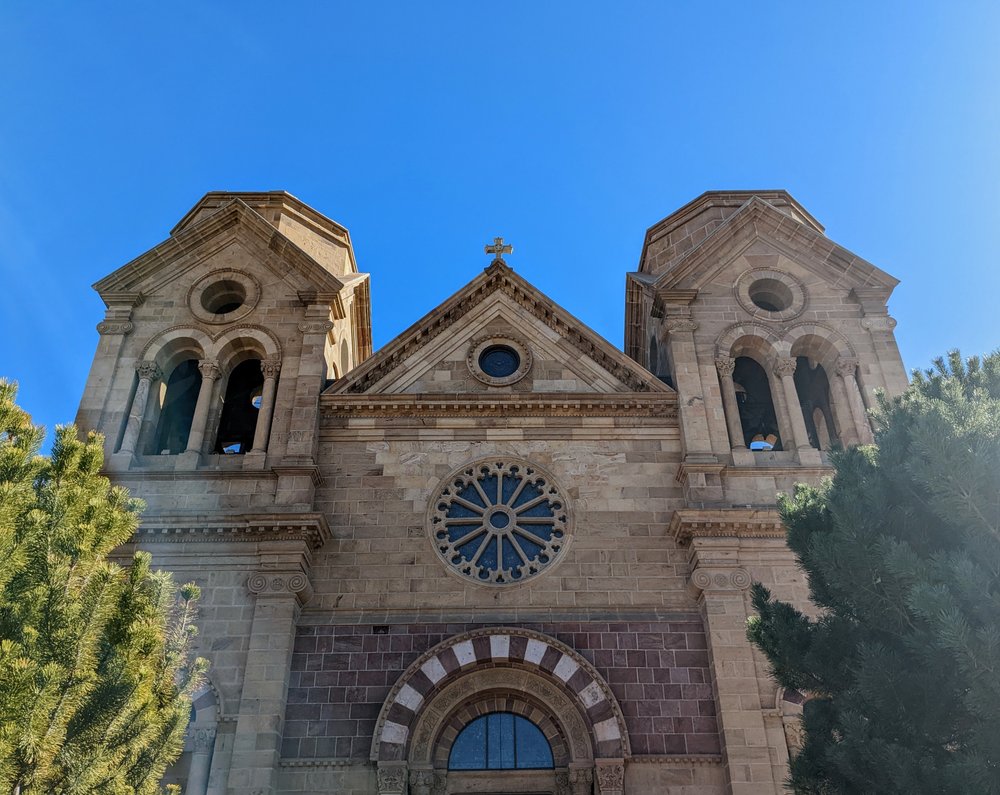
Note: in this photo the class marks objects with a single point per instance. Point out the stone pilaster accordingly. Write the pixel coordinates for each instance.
(846, 369)
(721, 584)
(257, 744)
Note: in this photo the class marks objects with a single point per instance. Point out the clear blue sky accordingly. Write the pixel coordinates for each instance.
(427, 128)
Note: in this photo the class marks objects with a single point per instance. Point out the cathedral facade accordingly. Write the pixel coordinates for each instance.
(498, 555)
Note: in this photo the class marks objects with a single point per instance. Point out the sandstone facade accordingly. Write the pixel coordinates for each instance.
(618, 504)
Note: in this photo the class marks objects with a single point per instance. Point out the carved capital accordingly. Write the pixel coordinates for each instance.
(115, 327)
(203, 740)
(680, 324)
(391, 779)
(421, 782)
(785, 367)
(846, 367)
(610, 777)
(150, 371)
(279, 584)
(270, 367)
(725, 365)
(710, 579)
(581, 781)
(878, 323)
(315, 326)
(209, 369)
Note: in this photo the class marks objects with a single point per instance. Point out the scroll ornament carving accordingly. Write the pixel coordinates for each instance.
(391, 780)
(785, 367)
(203, 739)
(315, 326)
(878, 323)
(111, 327)
(150, 371)
(273, 584)
(610, 778)
(681, 324)
(721, 579)
(270, 367)
(846, 367)
(725, 365)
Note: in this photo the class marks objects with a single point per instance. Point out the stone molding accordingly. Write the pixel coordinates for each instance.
(741, 290)
(662, 406)
(411, 693)
(312, 528)
(212, 351)
(246, 280)
(712, 578)
(726, 523)
(679, 759)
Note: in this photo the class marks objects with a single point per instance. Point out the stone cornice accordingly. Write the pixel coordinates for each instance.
(679, 759)
(522, 404)
(687, 524)
(311, 528)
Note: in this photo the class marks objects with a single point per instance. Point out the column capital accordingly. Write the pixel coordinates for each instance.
(676, 324)
(202, 739)
(391, 779)
(725, 365)
(846, 366)
(270, 367)
(149, 370)
(209, 369)
(785, 366)
(315, 326)
(720, 579)
(610, 776)
(280, 584)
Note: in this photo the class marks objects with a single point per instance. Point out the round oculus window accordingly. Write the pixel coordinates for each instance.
(499, 361)
(499, 522)
(771, 295)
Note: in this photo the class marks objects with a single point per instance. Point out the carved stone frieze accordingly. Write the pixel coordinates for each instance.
(311, 529)
(721, 579)
(729, 523)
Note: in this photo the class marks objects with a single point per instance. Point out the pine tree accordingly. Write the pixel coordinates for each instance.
(96, 674)
(902, 552)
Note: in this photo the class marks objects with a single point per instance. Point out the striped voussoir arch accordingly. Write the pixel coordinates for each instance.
(510, 647)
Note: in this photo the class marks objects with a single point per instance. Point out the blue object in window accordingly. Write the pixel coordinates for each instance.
(500, 741)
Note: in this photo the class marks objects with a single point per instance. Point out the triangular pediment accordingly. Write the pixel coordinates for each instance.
(433, 355)
(758, 221)
(194, 242)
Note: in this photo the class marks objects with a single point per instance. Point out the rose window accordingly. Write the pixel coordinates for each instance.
(498, 523)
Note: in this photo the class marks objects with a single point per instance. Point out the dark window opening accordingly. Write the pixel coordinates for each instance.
(813, 388)
(223, 296)
(757, 415)
(771, 295)
(174, 424)
(240, 409)
(501, 741)
(499, 361)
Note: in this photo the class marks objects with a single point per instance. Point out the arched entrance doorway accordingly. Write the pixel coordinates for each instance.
(501, 671)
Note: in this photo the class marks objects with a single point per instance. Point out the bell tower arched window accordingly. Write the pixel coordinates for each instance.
(813, 388)
(179, 396)
(240, 408)
(756, 405)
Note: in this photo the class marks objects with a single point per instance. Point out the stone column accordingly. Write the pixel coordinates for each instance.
(257, 742)
(581, 781)
(270, 369)
(148, 373)
(201, 760)
(785, 370)
(725, 365)
(209, 373)
(846, 369)
(610, 775)
(840, 404)
(720, 584)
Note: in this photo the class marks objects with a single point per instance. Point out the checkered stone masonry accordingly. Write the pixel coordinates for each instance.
(658, 671)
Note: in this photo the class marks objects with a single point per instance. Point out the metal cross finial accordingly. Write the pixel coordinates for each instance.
(498, 249)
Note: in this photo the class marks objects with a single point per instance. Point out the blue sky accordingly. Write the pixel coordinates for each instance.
(428, 128)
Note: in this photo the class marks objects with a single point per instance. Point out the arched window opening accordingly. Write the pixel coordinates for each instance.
(757, 415)
(500, 741)
(240, 409)
(179, 396)
(345, 357)
(813, 388)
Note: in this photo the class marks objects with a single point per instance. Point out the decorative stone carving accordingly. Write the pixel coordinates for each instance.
(610, 777)
(562, 784)
(705, 579)
(479, 346)
(270, 367)
(725, 365)
(391, 779)
(794, 733)
(878, 323)
(278, 584)
(149, 371)
(209, 369)
(846, 367)
(785, 367)
(315, 326)
(440, 786)
(123, 327)
(421, 782)
(678, 324)
(203, 739)
(581, 781)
